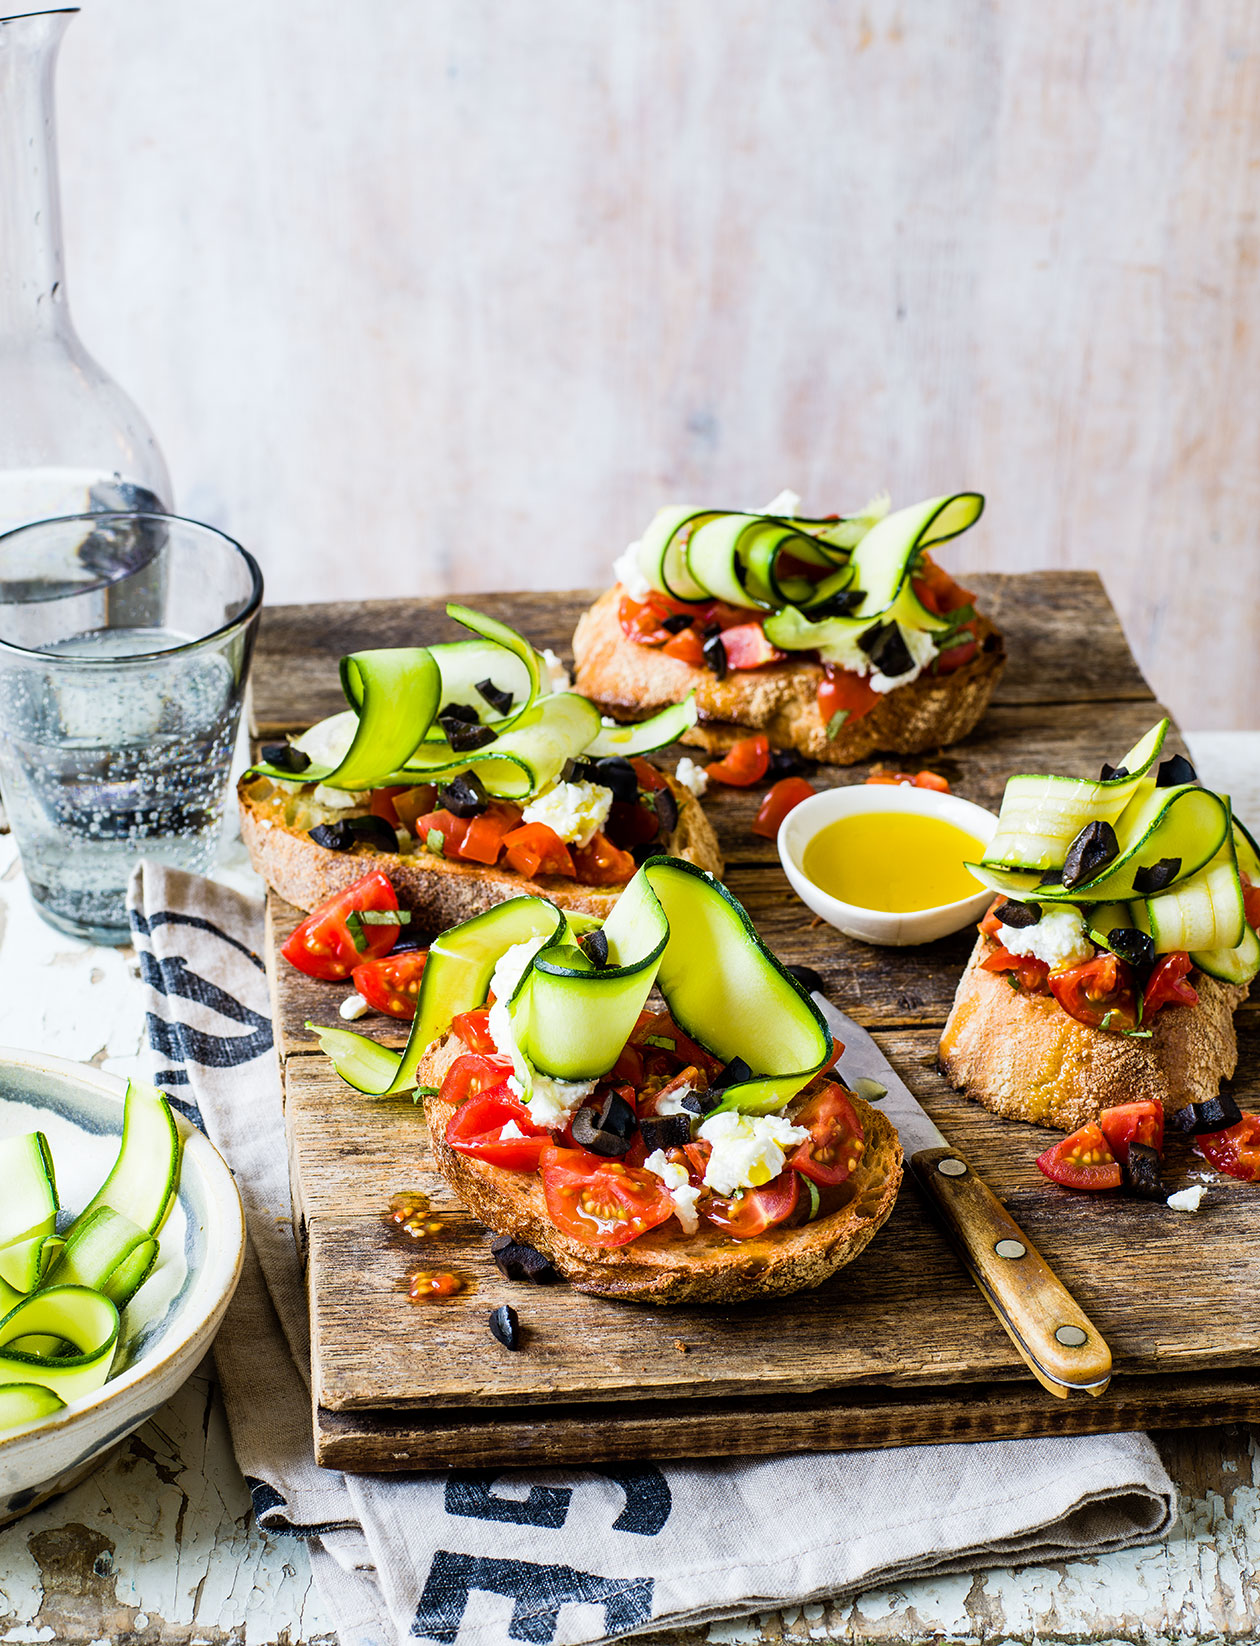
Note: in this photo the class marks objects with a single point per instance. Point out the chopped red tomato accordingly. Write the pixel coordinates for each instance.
(535, 848)
(473, 1028)
(1133, 1123)
(1251, 903)
(411, 804)
(630, 824)
(322, 945)
(628, 1068)
(915, 780)
(1235, 1151)
(687, 646)
(470, 1075)
(644, 620)
(746, 647)
(685, 1080)
(659, 1029)
(937, 591)
(958, 656)
(1167, 986)
(744, 763)
(786, 794)
(452, 829)
(1098, 993)
(647, 774)
(989, 925)
(1032, 974)
(602, 1202)
(486, 832)
(752, 1211)
(600, 863)
(381, 804)
(842, 691)
(391, 984)
(835, 1145)
(477, 1127)
(1082, 1161)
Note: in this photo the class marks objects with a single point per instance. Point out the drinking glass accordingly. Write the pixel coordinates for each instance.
(125, 644)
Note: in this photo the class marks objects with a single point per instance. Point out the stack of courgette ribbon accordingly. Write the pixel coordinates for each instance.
(60, 1295)
(1145, 847)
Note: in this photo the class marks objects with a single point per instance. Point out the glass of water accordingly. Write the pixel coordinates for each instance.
(125, 644)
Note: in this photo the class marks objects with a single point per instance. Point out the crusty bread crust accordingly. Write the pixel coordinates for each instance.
(1025, 1058)
(439, 891)
(782, 698)
(707, 1267)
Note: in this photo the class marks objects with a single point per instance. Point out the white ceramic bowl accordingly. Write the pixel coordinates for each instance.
(167, 1327)
(874, 925)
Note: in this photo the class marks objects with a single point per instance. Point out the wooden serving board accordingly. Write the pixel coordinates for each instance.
(899, 1347)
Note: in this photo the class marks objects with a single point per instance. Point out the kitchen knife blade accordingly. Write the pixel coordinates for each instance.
(1062, 1347)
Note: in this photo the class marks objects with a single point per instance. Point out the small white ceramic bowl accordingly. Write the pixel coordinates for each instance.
(168, 1325)
(874, 925)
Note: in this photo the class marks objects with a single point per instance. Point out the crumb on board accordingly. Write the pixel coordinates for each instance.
(680, 1346)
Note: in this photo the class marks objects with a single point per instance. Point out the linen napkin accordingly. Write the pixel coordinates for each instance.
(479, 1557)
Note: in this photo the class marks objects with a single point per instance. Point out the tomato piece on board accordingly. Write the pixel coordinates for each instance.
(322, 945)
(1167, 986)
(836, 1142)
(687, 647)
(746, 647)
(1251, 903)
(1098, 993)
(536, 848)
(786, 794)
(381, 804)
(957, 657)
(1236, 1150)
(473, 1028)
(647, 774)
(1082, 1161)
(937, 590)
(1141, 1122)
(471, 1074)
(840, 690)
(602, 1202)
(392, 983)
(931, 780)
(752, 1211)
(600, 863)
(1032, 974)
(745, 762)
(477, 1127)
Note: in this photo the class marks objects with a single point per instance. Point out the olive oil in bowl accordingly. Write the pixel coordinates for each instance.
(894, 861)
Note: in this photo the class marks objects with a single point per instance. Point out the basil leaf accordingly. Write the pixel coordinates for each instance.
(834, 724)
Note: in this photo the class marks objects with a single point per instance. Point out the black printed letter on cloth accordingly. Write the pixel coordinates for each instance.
(648, 1500)
(538, 1592)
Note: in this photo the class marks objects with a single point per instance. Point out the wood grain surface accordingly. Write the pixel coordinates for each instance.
(904, 1324)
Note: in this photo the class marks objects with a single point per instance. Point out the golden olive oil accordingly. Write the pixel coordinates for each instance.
(896, 862)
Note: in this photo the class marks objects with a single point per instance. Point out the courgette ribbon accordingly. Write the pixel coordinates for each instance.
(673, 926)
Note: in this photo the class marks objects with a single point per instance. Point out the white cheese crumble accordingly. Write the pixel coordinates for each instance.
(353, 1007)
(682, 1191)
(748, 1149)
(557, 674)
(551, 1102)
(921, 645)
(1059, 938)
(1187, 1200)
(626, 572)
(668, 1103)
(510, 1129)
(574, 810)
(786, 505)
(327, 742)
(692, 776)
(340, 800)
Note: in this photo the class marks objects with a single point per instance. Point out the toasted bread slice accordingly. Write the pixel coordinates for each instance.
(660, 1267)
(439, 891)
(781, 699)
(1025, 1058)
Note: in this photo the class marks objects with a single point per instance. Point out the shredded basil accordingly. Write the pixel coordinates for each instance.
(1012, 980)
(660, 1040)
(834, 724)
(357, 919)
(435, 841)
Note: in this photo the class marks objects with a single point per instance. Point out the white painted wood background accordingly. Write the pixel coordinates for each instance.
(450, 294)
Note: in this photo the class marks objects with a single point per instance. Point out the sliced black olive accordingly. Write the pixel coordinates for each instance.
(616, 774)
(1110, 773)
(464, 736)
(731, 1075)
(1141, 1172)
(617, 1116)
(715, 655)
(1216, 1115)
(500, 700)
(464, 795)
(505, 1326)
(891, 656)
(676, 623)
(1092, 850)
(700, 1102)
(666, 810)
(1155, 876)
(1018, 915)
(1138, 948)
(808, 978)
(606, 1130)
(595, 948)
(667, 1131)
(284, 757)
(839, 604)
(579, 771)
(1052, 877)
(517, 1261)
(1175, 771)
(355, 831)
(460, 711)
(787, 763)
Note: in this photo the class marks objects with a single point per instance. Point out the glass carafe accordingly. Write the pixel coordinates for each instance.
(71, 441)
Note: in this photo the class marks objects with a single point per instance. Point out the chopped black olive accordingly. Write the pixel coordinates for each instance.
(808, 978)
(1109, 774)
(1155, 876)
(1018, 915)
(839, 604)
(617, 774)
(787, 763)
(460, 711)
(890, 655)
(464, 795)
(710, 629)
(617, 1116)
(579, 771)
(677, 622)
(284, 757)
(1052, 877)
(667, 1131)
(355, 831)
(505, 1326)
(1094, 847)
(595, 948)
(666, 811)
(500, 700)
(464, 736)
(731, 1075)
(607, 1130)
(1175, 771)
(700, 1102)
(1138, 948)
(1141, 1172)
(517, 1261)
(1216, 1115)
(715, 655)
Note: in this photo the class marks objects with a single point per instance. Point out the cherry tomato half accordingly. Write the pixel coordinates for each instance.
(322, 945)
(649, 777)
(535, 848)
(1235, 1151)
(1167, 986)
(470, 1075)
(745, 762)
(842, 689)
(835, 1145)
(746, 647)
(392, 983)
(473, 1028)
(602, 1202)
(600, 863)
(1082, 1161)
(786, 794)
(477, 1126)
(1098, 993)
(752, 1211)
(1032, 974)
(957, 657)
(1141, 1122)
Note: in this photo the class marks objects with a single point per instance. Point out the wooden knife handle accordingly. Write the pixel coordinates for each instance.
(1063, 1348)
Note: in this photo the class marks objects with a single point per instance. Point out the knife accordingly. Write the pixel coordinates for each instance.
(1062, 1347)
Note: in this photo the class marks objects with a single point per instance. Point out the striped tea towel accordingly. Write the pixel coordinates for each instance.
(479, 1557)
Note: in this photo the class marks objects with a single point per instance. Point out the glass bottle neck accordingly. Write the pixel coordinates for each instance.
(32, 279)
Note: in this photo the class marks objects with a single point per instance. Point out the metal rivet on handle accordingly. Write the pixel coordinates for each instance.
(951, 1167)
(1011, 1248)
(1071, 1337)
